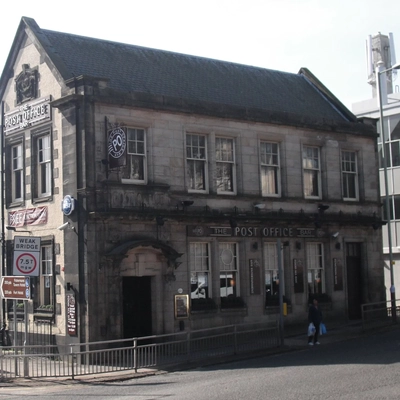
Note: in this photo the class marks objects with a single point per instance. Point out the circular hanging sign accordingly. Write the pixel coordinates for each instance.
(116, 143)
(68, 205)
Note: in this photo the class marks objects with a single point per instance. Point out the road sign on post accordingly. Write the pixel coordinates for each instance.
(16, 287)
(26, 256)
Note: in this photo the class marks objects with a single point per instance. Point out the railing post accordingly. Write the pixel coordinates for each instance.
(72, 362)
(362, 318)
(235, 349)
(135, 366)
(188, 346)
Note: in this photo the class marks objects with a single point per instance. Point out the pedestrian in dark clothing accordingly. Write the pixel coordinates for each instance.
(314, 316)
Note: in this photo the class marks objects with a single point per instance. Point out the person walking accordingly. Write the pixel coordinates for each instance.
(315, 317)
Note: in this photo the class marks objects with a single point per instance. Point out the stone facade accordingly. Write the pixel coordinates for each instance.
(137, 252)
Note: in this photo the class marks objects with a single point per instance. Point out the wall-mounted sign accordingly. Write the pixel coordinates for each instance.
(254, 274)
(30, 216)
(27, 115)
(17, 288)
(26, 256)
(71, 315)
(116, 145)
(337, 274)
(68, 205)
(255, 231)
(298, 275)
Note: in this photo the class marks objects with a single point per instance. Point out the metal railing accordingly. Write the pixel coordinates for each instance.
(135, 353)
(375, 315)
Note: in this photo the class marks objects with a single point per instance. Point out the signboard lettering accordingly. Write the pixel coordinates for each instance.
(27, 115)
(254, 231)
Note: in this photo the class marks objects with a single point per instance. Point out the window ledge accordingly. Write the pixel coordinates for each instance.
(276, 309)
(233, 309)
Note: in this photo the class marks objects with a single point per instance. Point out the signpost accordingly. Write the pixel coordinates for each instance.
(26, 256)
(15, 287)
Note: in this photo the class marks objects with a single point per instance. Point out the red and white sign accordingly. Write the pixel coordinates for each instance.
(26, 256)
(30, 216)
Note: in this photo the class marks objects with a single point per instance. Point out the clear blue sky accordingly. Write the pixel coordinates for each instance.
(327, 37)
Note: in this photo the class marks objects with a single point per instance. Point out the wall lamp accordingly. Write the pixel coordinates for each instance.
(160, 220)
(259, 206)
(64, 226)
(183, 204)
(322, 207)
(14, 229)
(298, 245)
(335, 235)
(233, 223)
(70, 286)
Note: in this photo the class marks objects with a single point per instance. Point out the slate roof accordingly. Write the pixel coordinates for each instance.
(135, 69)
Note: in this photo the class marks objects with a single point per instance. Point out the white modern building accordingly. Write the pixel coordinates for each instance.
(381, 51)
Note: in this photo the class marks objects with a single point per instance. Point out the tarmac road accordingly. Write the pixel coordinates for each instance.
(352, 367)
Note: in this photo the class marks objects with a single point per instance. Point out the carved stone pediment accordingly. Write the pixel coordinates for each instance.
(26, 84)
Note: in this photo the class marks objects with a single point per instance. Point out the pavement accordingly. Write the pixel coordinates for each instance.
(295, 339)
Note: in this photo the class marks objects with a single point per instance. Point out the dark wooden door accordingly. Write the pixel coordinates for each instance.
(354, 280)
(137, 306)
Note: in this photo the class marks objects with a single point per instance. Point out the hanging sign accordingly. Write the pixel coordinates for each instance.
(26, 256)
(116, 145)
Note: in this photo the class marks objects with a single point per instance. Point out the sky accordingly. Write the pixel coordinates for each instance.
(327, 37)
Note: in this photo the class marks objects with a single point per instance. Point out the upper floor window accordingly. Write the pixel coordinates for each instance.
(311, 172)
(349, 175)
(270, 169)
(200, 271)
(17, 173)
(43, 165)
(136, 165)
(196, 159)
(225, 168)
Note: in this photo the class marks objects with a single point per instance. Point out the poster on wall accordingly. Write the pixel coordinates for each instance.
(181, 306)
(298, 275)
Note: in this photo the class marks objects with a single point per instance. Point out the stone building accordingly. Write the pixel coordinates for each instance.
(173, 192)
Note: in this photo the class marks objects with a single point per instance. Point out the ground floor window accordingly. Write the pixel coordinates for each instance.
(315, 268)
